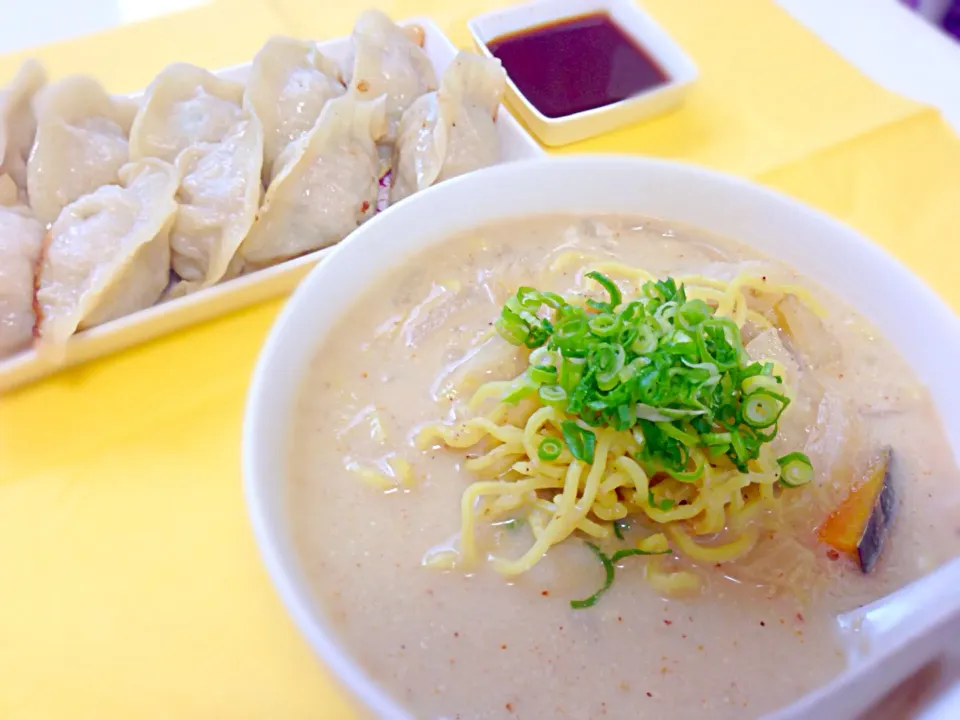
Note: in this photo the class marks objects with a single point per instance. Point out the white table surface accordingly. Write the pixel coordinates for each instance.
(882, 38)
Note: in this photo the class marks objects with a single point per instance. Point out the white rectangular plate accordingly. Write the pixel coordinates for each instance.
(24, 367)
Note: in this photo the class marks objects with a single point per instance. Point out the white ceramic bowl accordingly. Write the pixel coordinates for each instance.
(905, 310)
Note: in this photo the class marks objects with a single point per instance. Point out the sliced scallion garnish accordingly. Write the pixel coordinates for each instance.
(550, 449)
(610, 286)
(607, 580)
(553, 396)
(543, 374)
(662, 366)
(609, 571)
(762, 408)
(581, 442)
(795, 469)
(662, 504)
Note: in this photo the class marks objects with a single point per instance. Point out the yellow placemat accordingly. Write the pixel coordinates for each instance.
(899, 185)
(130, 580)
(217, 34)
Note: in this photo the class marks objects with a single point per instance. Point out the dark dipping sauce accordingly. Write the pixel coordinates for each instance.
(576, 64)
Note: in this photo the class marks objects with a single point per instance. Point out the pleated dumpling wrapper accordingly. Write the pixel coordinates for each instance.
(452, 131)
(81, 143)
(108, 254)
(199, 122)
(326, 185)
(386, 59)
(290, 82)
(20, 239)
(18, 124)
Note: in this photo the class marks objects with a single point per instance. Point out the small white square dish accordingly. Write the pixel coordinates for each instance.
(580, 68)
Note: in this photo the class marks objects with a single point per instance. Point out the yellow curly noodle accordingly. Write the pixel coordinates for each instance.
(718, 518)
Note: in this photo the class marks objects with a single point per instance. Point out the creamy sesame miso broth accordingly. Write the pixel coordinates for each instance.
(596, 467)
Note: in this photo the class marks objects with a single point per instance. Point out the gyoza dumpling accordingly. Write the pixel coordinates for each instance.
(326, 184)
(81, 143)
(108, 253)
(219, 196)
(290, 82)
(387, 60)
(184, 105)
(18, 123)
(200, 122)
(452, 131)
(20, 239)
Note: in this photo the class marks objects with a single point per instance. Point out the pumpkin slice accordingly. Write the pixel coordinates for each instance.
(859, 525)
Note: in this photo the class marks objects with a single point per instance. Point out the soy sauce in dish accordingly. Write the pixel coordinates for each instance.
(576, 64)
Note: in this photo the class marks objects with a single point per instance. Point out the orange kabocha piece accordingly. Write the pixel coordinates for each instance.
(859, 525)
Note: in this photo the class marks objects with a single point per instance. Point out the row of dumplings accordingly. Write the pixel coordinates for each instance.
(109, 205)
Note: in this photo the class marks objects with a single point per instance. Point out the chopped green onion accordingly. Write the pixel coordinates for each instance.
(677, 434)
(624, 419)
(604, 325)
(694, 312)
(543, 374)
(660, 365)
(609, 571)
(648, 412)
(708, 367)
(609, 286)
(740, 449)
(646, 341)
(552, 300)
(553, 396)
(665, 315)
(759, 382)
(529, 299)
(766, 436)
(762, 408)
(544, 357)
(550, 449)
(580, 442)
(538, 334)
(521, 388)
(627, 372)
(607, 581)
(609, 362)
(571, 371)
(719, 342)
(662, 504)
(514, 331)
(570, 335)
(795, 469)
(685, 475)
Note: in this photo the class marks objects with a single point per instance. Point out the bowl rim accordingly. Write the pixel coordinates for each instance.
(299, 606)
